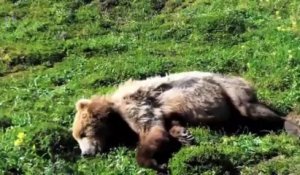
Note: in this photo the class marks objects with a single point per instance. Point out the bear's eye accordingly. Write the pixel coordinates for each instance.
(82, 135)
(101, 118)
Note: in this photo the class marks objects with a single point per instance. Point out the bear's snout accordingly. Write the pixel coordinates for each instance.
(87, 154)
(88, 147)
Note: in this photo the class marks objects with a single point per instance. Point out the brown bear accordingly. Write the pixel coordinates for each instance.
(150, 106)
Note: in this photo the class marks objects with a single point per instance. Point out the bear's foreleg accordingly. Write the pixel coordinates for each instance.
(151, 143)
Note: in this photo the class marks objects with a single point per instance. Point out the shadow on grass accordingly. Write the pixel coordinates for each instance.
(220, 164)
(237, 125)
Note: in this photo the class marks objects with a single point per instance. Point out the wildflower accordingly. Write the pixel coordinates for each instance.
(18, 142)
(21, 135)
(20, 139)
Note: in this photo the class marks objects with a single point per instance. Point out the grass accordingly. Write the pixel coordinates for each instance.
(54, 52)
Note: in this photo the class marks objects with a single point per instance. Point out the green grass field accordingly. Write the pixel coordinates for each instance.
(53, 53)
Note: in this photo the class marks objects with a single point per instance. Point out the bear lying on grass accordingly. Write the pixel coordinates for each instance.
(156, 108)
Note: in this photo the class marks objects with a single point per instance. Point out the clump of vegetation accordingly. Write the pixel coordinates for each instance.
(5, 122)
(226, 157)
(51, 141)
(226, 29)
(202, 159)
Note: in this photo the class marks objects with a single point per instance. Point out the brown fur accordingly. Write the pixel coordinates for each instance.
(292, 124)
(151, 142)
(158, 143)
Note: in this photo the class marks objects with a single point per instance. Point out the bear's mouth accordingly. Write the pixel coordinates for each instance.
(89, 147)
(92, 152)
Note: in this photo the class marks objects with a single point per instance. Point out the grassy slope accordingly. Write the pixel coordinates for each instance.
(53, 53)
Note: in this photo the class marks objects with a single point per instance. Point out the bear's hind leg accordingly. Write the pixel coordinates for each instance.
(257, 110)
(244, 100)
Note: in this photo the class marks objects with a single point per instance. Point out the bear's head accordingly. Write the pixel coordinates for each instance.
(98, 127)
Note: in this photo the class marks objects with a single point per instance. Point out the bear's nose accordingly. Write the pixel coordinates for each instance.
(86, 154)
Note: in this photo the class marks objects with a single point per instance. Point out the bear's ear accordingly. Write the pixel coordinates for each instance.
(104, 113)
(82, 104)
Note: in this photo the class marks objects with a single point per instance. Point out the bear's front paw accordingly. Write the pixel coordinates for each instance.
(183, 135)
